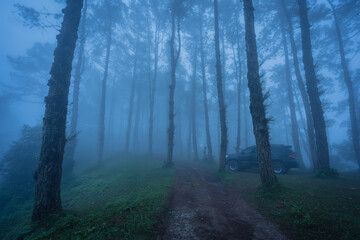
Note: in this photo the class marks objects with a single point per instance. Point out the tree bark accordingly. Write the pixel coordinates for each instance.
(290, 94)
(204, 89)
(219, 133)
(303, 141)
(257, 109)
(223, 56)
(69, 166)
(301, 85)
(219, 81)
(313, 91)
(349, 86)
(174, 57)
(193, 104)
(152, 89)
(179, 120)
(245, 110)
(286, 128)
(103, 92)
(238, 98)
(48, 176)
(110, 130)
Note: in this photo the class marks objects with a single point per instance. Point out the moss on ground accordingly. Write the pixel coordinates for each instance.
(121, 199)
(304, 206)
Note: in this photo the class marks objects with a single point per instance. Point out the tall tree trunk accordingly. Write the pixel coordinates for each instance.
(238, 122)
(152, 89)
(180, 135)
(257, 109)
(193, 104)
(219, 133)
(238, 82)
(313, 91)
(245, 110)
(149, 58)
(290, 94)
(286, 128)
(204, 89)
(240, 74)
(110, 130)
(174, 57)
(48, 175)
(179, 119)
(131, 102)
(223, 57)
(349, 86)
(303, 141)
(304, 96)
(103, 93)
(69, 166)
(222, 108)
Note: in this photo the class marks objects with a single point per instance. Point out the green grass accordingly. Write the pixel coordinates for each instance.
(122, 199)
(306, 207)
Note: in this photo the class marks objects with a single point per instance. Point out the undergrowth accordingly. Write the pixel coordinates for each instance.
(305, 206)
(122, 199)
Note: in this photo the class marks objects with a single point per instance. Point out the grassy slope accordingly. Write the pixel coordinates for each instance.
(121, 200)
(306, 207)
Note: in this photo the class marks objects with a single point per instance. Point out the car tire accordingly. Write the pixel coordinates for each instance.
(279, 167)
(233, 165)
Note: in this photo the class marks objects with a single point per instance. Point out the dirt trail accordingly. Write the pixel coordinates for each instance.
(203, 208)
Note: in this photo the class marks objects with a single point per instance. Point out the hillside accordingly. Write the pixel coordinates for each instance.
(121, 199)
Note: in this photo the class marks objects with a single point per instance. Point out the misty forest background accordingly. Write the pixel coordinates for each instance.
(121, 73)
(166, 81)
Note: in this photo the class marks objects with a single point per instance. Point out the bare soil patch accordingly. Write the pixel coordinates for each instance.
(203, 208)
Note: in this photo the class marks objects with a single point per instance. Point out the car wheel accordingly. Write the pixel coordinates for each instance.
(233, 165)
(279, 167)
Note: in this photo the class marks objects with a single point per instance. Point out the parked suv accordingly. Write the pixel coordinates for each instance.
(283, 158)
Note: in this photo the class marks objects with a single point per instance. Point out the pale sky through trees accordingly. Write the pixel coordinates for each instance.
(16, 39)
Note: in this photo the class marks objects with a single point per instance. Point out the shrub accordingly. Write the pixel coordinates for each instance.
(331, 173)
(19, 165)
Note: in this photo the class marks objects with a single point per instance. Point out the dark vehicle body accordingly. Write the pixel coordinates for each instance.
(283, 158)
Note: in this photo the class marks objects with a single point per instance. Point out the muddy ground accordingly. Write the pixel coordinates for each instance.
(201, 207)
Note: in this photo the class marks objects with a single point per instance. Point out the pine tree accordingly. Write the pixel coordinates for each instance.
(301, 85)
(70, 152)
(290, 95)
(349, 86)
(313, 90)
(204, 90)
(219, 82)
(174, 58)
(257, 109)
(48, 176)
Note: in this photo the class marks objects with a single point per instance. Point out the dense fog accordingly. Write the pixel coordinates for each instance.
(28, 42)
(131, 119)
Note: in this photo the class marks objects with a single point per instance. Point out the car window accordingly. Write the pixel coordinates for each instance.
(249, 150)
